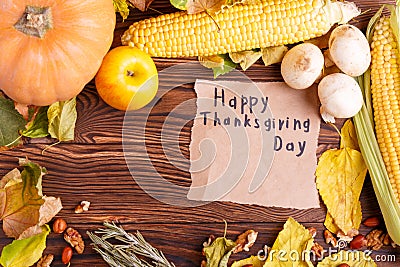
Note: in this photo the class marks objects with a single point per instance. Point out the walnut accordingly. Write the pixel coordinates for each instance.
(375, 239)
(83, 206)
(378, 238)
(347, 237)
(73, 237)
(317, 249)
(45, 260)
(330, 239)
(245, 241)
(313, 231)
(387, 240)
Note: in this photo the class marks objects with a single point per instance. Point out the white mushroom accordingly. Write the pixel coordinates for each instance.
(340, 97)
(302, 65)
(349, 50)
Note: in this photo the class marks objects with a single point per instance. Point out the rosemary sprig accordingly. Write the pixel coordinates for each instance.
(126, 252)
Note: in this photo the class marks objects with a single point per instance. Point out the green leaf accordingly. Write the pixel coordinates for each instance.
(121, 6)
(179, 4)
(11, 122)
(25, 252)
(39, 126)
(228, 66)
(32, 176)
(62, 118)
(217, 250)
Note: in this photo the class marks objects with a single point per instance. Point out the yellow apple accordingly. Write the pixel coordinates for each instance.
(127, 78)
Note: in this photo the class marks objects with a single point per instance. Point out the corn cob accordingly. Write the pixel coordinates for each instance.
(385, 90)
(239, 27)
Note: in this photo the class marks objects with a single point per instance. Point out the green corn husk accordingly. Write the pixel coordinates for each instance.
(364, 125)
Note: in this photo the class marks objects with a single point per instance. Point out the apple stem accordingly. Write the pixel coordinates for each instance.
(130, 73)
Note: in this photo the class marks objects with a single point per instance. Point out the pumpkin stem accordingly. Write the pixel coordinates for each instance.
(130, 73)
(35, 21)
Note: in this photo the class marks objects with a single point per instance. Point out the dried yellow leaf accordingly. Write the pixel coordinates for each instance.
(272, 55)
(340, 176)
(352, 258)
(348, 139)
(211, 61)
(121, 6)
(252, 260)
(292, 247)
(330, 224)
(349, 136)
(245, 58)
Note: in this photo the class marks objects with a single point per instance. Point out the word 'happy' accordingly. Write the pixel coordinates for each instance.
(253, 112)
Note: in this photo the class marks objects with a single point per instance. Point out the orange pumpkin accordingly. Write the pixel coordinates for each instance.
(49, 49)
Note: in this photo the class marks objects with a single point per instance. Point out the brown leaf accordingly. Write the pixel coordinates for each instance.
(20, 208)
(23, 109)
(142, 5)
(23, 208)
(10, 178)
(47, 211)
(19, 212)
(210, 6)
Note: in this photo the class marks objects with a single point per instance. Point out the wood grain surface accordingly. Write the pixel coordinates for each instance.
(93, 168)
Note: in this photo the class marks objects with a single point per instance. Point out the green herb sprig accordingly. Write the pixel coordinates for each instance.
(129, 247)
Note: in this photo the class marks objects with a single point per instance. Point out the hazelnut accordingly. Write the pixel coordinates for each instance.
(372, 222)
(358, 242)
(66, 255)
(59, 226)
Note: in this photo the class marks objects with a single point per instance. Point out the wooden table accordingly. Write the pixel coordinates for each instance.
(93, 168)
